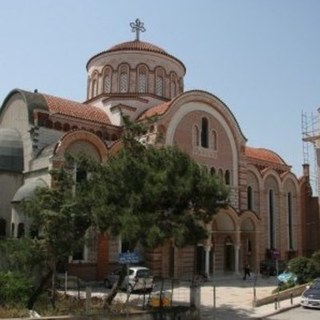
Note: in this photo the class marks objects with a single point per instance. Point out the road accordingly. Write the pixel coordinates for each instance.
(297, 314)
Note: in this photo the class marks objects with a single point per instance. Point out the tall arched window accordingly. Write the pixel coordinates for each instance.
(142, 79)
(249, 198)
(3, 226)
(290, 223)
(20, 230)
(173, 85)
(124, 79)
(271, 219)
(212, 171)
(227, 177)
(107, 81)
(204, 133)
(159, 82)
(123, 82)
(214, 140)
(94, 88)
(159, 85)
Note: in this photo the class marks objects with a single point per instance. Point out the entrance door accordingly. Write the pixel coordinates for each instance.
(200, 260)
(229, 255)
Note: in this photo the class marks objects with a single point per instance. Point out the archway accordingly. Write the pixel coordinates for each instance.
(229, 260)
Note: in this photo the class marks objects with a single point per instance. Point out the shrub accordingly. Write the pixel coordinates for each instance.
(316, 259)
(14, 288)
(305, 269)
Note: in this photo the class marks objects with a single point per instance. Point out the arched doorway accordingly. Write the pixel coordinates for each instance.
(249, 245)
(229, 263)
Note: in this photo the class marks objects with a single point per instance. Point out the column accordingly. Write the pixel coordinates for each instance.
(236, 258)
(237, 250)
(207, 249)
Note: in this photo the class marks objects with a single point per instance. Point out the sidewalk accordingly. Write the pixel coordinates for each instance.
(235, 299)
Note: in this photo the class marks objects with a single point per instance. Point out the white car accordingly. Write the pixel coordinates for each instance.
(140, 278)
(311, 296)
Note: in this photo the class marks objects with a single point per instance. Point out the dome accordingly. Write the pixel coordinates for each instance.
(264, 155)
(137, 45)
(26, 191)
(11, 150)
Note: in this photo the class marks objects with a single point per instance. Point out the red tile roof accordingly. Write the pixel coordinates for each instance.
(136, 45)
(264, 155)
(156, 110)
(75, 109)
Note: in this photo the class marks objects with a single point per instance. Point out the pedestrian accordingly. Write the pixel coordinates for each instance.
(246, 271)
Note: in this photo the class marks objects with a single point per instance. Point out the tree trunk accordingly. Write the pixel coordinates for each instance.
(116, 287)
(36, 293)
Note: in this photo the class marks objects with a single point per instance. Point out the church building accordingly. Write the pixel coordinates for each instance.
(269, 205)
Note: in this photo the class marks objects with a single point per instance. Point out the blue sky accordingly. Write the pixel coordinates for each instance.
(261, 57)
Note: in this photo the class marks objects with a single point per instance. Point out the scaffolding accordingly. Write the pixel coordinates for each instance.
(310, 125)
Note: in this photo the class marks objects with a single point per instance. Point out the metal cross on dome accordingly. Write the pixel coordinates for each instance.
(137, 27)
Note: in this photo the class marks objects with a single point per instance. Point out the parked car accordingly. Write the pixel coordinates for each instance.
(139, 278)
(311, 296)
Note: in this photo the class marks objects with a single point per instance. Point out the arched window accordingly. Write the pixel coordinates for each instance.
(20, 230)
(227, 177)
(66, 127)
(142, 79)
(204, 133)
(94, 88)
(159, 82)
(12, 229)
(159, 86)
(123, 82)
(173, 85)
(107, 81)
(271, 219)
(57, 125)
(220, 174)
(214, 140)
(212, 171)
(249, 197)
(124, 79)
(290, 223)
(3, 226)
(173, 89)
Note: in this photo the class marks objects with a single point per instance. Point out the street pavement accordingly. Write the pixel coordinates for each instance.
(235, 298)
(227, 297)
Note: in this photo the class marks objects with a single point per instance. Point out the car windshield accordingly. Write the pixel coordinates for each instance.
(143, 273)
(315, 285)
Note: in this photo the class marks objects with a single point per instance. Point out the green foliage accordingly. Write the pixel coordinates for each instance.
(316, 259)
(305, 269)
(284, 286)
(24, 256)
(59, 218)
(14, 288)
(149, 194)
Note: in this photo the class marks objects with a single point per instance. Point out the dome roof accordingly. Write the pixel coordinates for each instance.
(26, 191)
(11, 150)
(264, 155)
(136, 45)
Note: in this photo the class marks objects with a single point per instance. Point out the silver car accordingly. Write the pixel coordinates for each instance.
(311, 296)
(139, 278)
